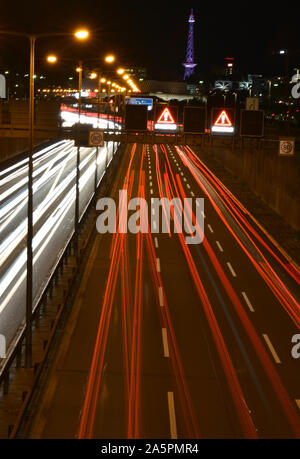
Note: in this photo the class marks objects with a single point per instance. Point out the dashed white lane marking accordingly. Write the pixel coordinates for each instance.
(219, 246)
(248, 302)
(297, 400)
(150, 177)
(184, 179)
(271, 348)
(181, 173)
(172, 416)
(209, 227)
(197, 203)
(165, 342)
(161, 296)
(154, 225)
(151, 191)
(188, 186)
(153, 211)
(150, 183)
(158, 264)
(156, 242)
(192, 193)
(231, 269)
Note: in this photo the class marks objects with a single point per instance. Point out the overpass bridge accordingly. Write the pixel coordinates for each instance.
(144, 335)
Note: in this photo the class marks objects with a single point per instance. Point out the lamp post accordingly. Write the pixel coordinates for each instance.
(29, 264)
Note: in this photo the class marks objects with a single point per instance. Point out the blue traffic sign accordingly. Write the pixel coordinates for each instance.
(140, 101)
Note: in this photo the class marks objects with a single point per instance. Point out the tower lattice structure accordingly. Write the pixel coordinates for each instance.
(190, 64)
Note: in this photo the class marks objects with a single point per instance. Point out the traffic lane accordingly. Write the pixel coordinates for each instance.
(266, 244)
(203, 372)
(113, 376)
(145, 395)
(61, 401)
(13, 175)
(238, 266)
(250, 241)
(291, 372)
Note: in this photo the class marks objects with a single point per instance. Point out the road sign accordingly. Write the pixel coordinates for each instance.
(252, 123)
(194, 120)
(166, 118)
(96, 138)
(287, 146)
(136, 117)
(252, 103)
(140, 101)
(222, 121)
(81, 134)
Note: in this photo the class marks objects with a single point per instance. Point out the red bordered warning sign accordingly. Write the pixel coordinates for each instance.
(286, 146)
(166, 117)
(166, 120)
(222, 122)
(223, 119)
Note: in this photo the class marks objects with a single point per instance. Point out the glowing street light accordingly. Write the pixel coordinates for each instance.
(120, 71)
(110, 58)
(81, 34)
(51, 58)
(93, 75)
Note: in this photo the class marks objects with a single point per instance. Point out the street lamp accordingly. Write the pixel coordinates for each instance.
(29, 270)
(82, 34)
(110, 58)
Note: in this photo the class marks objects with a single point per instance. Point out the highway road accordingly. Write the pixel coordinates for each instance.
(174, 340)
(53, 200)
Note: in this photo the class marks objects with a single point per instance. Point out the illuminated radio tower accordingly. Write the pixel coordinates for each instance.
(189, 64)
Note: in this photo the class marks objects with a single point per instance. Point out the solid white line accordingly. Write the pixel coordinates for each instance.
(209, 227)
(158, 264)
(231, 269)
(156, 242)
(165, 342)
(271, 348)
(298, 402)
(161, 296)
(172, 417)
(219, 246)
(248, 302)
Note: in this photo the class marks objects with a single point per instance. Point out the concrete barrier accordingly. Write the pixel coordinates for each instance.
(273, 178)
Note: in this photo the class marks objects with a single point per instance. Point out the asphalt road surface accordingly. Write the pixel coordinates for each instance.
(174, 340)
(54, 179)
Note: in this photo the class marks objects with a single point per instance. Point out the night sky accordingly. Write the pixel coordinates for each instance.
(154, 34)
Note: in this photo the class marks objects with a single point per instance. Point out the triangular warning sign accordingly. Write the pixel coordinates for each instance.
(166, 117)
(223, 120)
